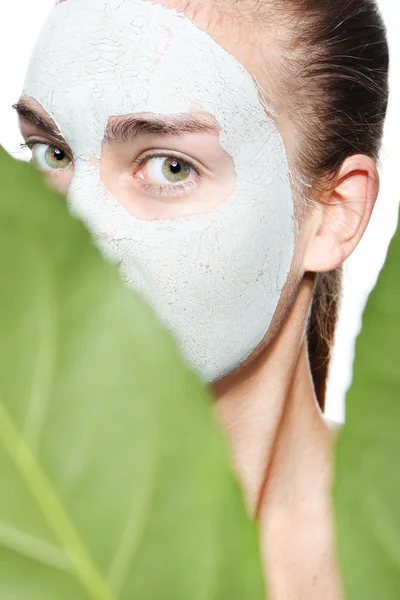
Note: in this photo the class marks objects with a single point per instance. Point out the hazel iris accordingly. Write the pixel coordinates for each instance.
(176, 170)
(56, 158)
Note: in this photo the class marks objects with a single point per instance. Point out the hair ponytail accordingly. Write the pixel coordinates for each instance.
(321, 328)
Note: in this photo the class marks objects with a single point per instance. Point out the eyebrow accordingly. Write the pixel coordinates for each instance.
(43, 123)
(126, 129)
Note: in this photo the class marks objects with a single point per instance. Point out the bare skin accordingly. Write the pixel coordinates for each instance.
(282, 448)
(281, 444)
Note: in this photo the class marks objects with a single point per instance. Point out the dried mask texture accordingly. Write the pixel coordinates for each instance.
(215, 280)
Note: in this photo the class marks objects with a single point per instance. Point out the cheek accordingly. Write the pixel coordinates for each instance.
(60, 182)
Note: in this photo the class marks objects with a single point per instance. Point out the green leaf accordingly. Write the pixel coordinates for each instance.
(367, 488)
(115, 481)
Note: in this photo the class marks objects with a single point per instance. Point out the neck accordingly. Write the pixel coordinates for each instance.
(278, 437)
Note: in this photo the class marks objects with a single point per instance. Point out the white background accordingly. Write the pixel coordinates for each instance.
(20, 22)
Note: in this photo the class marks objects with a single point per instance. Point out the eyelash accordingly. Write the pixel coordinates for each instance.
(151, 188)
(29, 146)
(166, 190)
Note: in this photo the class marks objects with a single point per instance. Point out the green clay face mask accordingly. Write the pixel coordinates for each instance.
(214, 279)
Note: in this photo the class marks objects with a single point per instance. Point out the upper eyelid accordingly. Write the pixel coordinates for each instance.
(196, 165)
(140, 161)
(33, 140)
(137, 163)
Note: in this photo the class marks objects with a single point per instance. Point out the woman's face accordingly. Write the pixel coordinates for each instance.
(160, 139)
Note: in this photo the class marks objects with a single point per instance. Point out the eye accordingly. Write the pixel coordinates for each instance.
(49, 158)
(166, 169)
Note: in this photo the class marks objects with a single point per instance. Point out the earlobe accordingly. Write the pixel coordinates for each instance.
(345, 213)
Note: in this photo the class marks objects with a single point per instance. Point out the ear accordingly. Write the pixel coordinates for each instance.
(343, 215)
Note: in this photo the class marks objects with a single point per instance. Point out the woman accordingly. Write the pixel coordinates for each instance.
(224, 154)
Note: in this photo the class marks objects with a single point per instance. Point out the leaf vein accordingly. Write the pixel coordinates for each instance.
(33, 548)
(46, 497)
(131, 539)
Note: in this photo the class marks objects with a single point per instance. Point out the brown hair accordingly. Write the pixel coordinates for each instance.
(335, 79)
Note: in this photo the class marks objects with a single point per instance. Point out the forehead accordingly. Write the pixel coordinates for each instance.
(102, 58)
(133, 40)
